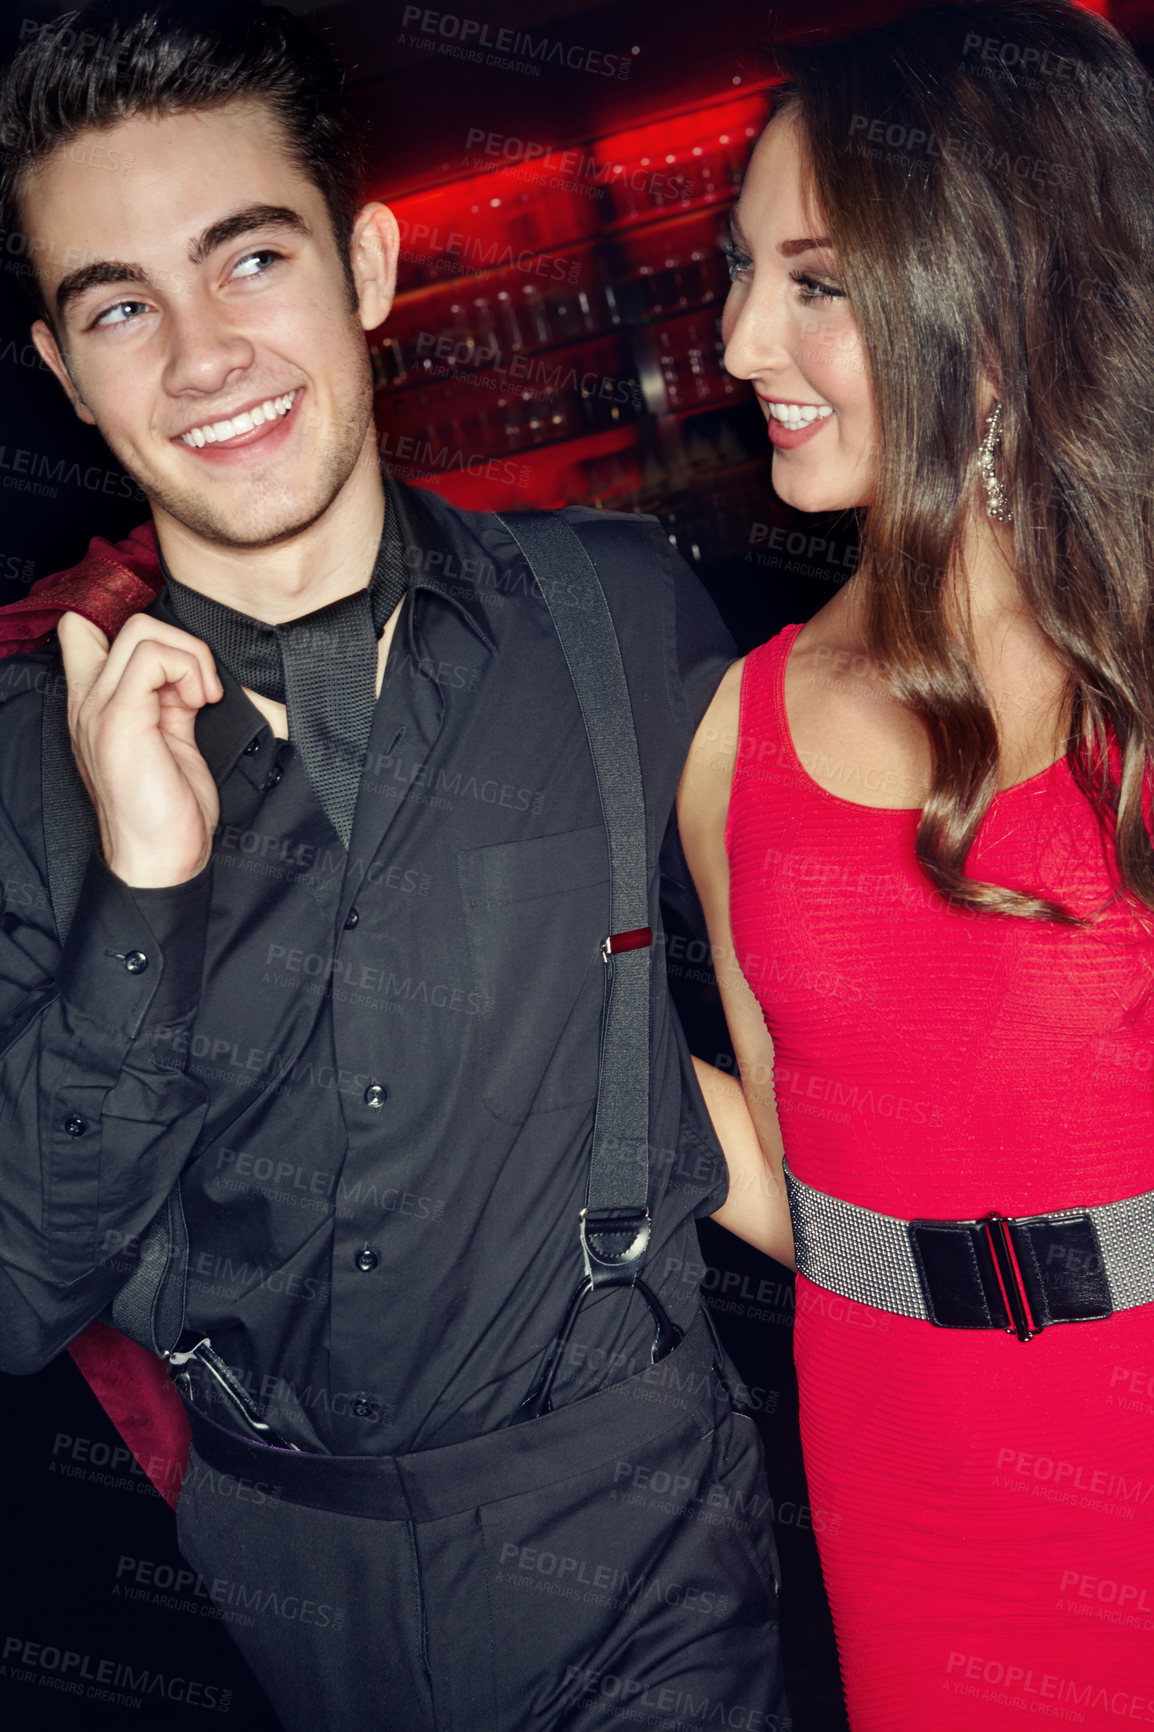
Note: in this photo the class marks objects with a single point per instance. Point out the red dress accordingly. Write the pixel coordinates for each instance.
(984, 1509)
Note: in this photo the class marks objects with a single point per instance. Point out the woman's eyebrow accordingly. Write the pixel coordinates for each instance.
(788, 249)
(737, 231)
(808, 244)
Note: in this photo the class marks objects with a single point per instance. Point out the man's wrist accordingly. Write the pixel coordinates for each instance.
(139, 870)
(134, 955)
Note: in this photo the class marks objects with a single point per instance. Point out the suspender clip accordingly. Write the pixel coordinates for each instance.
(613, 1243)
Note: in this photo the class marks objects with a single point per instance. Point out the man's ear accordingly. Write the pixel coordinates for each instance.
(373, 252)
(49, 351)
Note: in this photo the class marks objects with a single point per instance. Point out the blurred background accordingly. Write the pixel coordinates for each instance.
(562, 175)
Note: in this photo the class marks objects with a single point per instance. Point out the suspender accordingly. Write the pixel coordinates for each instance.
(614, 1225)
(615, 1221)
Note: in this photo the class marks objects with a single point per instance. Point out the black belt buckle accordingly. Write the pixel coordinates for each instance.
(1017, 1273)
(1013, 1290)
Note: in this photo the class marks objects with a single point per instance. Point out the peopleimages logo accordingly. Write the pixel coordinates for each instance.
(65, 1669)
(470, 38)
(21, 465)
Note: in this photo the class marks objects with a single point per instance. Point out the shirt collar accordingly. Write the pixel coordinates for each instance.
(224, 729)
(433, 565)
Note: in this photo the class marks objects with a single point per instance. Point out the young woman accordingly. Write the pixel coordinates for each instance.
(918, 825)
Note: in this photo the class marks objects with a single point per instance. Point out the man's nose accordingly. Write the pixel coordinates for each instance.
(205, 348)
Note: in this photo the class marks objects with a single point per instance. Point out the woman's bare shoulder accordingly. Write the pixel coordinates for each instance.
(705, 783)
(720, 725)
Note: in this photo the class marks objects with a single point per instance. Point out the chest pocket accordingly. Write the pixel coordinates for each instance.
(537, 912)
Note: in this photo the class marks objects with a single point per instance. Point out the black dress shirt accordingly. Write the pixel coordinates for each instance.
(374, 1070)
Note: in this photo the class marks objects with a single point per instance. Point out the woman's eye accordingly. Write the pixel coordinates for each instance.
(736, 260)
(815, 290)
(251, 265)
(120, 314)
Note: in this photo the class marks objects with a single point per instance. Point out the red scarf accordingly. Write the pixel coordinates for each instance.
(110, 584)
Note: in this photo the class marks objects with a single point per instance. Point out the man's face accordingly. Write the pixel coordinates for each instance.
(199, 283)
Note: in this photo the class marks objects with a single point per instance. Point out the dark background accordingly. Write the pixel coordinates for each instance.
(555, 341)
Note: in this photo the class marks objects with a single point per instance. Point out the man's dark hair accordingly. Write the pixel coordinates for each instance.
(118, 58)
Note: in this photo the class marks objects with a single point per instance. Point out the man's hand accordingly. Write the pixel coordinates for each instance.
(132, 713)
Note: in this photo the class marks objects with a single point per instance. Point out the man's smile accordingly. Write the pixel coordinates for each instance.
(246, 426)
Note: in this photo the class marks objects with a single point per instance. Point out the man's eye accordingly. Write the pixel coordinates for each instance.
(120, 314)
(252, 266)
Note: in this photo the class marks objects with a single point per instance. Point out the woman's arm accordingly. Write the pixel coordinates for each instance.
(756, 1209)
(744, 1115)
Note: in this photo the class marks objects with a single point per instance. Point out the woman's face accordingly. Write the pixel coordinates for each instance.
(788, 328)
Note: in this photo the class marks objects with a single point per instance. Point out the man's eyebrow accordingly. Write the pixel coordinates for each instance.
(241, 222)
(110, 271)
(96, 276)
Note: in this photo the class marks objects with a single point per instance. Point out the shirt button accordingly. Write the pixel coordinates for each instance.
(136, 962)
(366, 1259)
(351, 919)
(363, 1407)
(376, 1095)
(75, 1126)
(252, 748)
(273, 778)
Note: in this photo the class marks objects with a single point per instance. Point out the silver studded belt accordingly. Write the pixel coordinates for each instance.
(1017, 1273)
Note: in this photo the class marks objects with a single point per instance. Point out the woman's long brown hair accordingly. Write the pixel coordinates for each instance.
(986, 174)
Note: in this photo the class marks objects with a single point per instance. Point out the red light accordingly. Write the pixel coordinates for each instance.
(678, 135)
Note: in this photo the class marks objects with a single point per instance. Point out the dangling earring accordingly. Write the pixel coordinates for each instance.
(995, 492)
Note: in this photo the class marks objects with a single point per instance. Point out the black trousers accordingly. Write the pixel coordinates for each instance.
(609, 1566)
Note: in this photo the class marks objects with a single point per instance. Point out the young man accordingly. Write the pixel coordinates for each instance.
(336, 964)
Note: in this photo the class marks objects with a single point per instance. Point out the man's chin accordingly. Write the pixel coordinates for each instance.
(269, 526)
